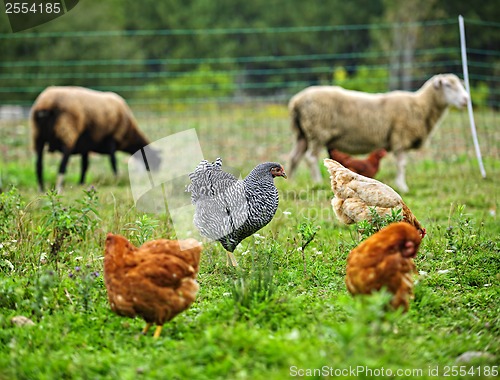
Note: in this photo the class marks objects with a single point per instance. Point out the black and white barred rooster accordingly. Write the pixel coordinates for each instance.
(229, 210)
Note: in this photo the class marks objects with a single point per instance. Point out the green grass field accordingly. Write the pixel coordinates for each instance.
(285, 312)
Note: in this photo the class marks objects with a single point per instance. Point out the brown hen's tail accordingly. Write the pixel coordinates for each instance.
(337, 155)
(408, 217)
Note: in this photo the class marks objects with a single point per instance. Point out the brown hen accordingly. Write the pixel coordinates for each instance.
(367, 167)
(355, 195)
(156, 281)
(385, 259)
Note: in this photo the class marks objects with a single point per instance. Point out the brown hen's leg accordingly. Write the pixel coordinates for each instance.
(146, 328)
(157, 332)
(231, 259)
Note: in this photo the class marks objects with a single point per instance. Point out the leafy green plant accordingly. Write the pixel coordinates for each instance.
(88, 217)
(460, 233)
(11, 211)
(249, 289)
(367, 228)
(256, 287)
(465, 243)
(142, 229)
(307, 231)
(44, 297)
(62, 224)
(7, 250)
(85, 281)
(10, 293)
(253, 288)
(366, 313)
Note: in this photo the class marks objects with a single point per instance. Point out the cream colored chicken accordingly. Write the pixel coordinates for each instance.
(355, 195)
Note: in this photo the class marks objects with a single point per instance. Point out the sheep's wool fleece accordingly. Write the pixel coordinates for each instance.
(355, 122)
(103, 113)
(229, 210)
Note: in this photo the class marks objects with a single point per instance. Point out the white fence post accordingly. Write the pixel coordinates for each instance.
(469, 103)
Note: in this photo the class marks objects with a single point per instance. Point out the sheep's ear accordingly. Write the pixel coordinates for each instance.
(438, 81)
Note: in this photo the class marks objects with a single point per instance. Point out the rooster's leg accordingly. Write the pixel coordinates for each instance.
(231, 259)
(146, 328)
(157, 332)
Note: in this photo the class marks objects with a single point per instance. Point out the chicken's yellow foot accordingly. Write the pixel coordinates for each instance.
(157, 332)
(146, 328)
(231, 260)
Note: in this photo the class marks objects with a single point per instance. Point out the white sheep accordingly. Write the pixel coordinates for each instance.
(78, 120)
(356, 122)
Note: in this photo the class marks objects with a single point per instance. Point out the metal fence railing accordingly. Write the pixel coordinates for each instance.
(240, 93)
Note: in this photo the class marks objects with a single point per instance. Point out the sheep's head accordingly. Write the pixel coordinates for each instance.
(452, 89)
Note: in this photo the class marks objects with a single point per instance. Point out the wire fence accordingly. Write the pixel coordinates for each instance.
(236, 96)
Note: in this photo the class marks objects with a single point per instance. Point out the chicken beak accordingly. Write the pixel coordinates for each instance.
(283, 174)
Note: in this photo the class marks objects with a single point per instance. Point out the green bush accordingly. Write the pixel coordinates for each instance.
(480, 94)
(365, 79)
(203, 82)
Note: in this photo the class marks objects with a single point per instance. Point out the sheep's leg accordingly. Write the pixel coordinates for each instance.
(85, 165)
(296, 155)
(62, 169)
(112, 156)
(39, 162)
(401, 160)
(311, 157)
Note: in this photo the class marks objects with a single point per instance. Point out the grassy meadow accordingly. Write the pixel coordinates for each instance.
(285, 312)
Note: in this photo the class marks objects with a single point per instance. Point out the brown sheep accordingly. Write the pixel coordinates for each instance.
(77, 120)
(356, 122)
